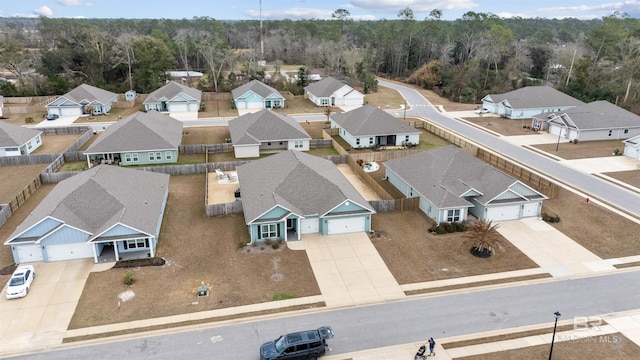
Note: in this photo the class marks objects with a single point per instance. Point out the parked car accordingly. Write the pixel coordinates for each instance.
(482, 111)
(307, 345)
(20, 282)
(52, 116)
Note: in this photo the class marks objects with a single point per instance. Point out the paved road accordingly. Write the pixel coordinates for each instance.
(595, 187)
(387, 324)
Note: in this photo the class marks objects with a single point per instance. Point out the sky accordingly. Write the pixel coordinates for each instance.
(312, 9)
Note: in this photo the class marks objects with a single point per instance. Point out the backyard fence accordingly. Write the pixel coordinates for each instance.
(405, 204)
(65, 130)
(219, 148)
(320, 143)
(25, 194)
(223, 209)
(5, 213)
(28, 159)
(56, 177)
(384, 195)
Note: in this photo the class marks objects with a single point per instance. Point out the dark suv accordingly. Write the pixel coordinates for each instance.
(303, 345)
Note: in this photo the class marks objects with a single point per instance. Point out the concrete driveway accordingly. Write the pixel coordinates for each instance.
(61, 121)
(41, 318)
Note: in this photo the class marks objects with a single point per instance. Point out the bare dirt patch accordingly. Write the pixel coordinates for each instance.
(196, 249)
(630, 177)
(114, 114)
(599, 230)
(15, 178)
(219, 108)
(502, 126)
(413, 255)
(385, 98)
(54, 144)
(205, 135)
(582, 150)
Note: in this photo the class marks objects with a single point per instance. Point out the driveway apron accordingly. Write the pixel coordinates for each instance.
(349, 270)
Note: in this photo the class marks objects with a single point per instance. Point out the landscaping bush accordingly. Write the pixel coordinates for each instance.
(550, 218)
(128, 278)
(275, 245)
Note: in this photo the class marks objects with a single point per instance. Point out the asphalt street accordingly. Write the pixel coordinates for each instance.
(380, 325)
(595, 187)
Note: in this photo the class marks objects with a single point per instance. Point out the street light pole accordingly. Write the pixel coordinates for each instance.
(557, 314)
(558, 143)
(404, 116)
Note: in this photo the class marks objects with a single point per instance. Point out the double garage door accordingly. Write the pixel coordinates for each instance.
(31, 253)
(345, 225)
(512, 212)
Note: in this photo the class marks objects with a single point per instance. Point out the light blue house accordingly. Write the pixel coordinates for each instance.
(107, 213)
(452, 185)
(84, 99)
(294, 193)
(528, 101)
(174, 97)
(16, 140)
(368, 126)
(257, 95)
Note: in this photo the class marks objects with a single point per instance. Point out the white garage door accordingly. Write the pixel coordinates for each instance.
(70, 112)
(531, 209)
(194, 107)
(510, 212)
(178, 107)
(255, 105)
(345, 225)
(309, 226)
(29, 253)
(69, 251)
(241, 105)
(632, 152)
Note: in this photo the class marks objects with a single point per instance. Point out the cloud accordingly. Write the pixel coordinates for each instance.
(43, 10)
(291, 13)
(418, 6)
(631, 7)
(69, 2)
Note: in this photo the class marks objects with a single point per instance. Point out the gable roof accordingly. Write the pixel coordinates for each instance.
(14, 135)
(445, 174)
(265, 125)
(101, 197)
(139, 132)
(369, 120)
(595, 115)
(257, 87)
(634, 141)
(170, 91)
(90, 94)
(529, 97)
(325, 87)
(302, 183)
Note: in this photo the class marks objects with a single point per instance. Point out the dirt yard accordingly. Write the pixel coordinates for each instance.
(630, 177)
(16, 178)
(196, 249)
(582, 150)
(53, 144)
(205, 135)
(500, 125)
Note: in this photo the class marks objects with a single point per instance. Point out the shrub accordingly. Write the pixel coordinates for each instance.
(575, 141)
(550, 218)
(275, 246)
(241, 244)
(28, 119)
(128, 278)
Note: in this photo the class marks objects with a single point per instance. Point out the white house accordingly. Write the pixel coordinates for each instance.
(632, 148)
(528, 101)
(331, 92)
(257, 95)
(16, 140)
(174, 97)
(84, 99)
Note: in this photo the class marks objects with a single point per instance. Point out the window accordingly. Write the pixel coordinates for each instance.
(136, 244)
(134, 157)
(38, 139)
(29, 145)
(610, 132)
(268, 231)
(626, 131)
(453, 215)
(152, 156)
(302, 347)
(324, 102)
(158, 156)
(298, 144)
(168, 155)
(127, 157)
(370, 141)
(357, 141)
(406, 139)
(268, 143)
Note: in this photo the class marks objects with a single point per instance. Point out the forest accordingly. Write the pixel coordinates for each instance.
(463, 59)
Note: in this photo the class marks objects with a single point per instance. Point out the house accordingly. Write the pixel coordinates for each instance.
(174, 97)
(257, 95)
(293, 193)
(368, 126)
(84, 99)
(16, 140)
(632, 148)
(139, 139)
(185, 76)
(130, 95)
(452, 184)
(106, 212)
(528, 101)
(598, 120)
(264, 131)
(331, 92)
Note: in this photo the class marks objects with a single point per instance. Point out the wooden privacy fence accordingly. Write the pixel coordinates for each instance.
(65, 130)
(5, 213)
(384, 195)
(25, 194)
(405, 204)
(223, 209)
(28, 159)
(56, 177)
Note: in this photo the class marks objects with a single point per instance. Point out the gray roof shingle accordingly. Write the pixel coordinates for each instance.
(302, 183)
(140, 132)
(257, 87)
(597, 115)
(14, 135)
(265, 125)
(531, 97)
(101, 197)
(170, 91)
(325, 87)
(369, 120)
(90, 94)
(443, 175)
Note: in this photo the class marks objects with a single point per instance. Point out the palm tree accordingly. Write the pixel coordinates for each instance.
(484, 238)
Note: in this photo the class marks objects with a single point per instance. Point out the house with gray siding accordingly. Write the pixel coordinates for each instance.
(632, 148)
(597, 120)
(368, 126)
(266, 131)
(174, 97)
(257, 95)
(106, 213)
(528, 101)
(293, 193)
(17, 140)
(332, 92)
(142, 138)
(452, 184)
(84, 99)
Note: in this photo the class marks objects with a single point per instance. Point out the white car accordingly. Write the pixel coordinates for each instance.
(482, 111)
(20, 282)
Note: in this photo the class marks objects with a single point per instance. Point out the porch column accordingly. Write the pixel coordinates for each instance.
(152, 247)
(115, 250)
(89, 161)
(95, 254)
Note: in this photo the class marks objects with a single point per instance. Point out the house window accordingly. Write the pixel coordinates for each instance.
(370, 141)
(280, 143)
(134, 157)
(127, 157)
(268, 143)
(158, 156)
(152, 156)
(453, 215)
(358, 142)
(298, 144)
(268, 231)
(626, 131)
(168, 155)
(38, 139)
(29, 145)
(406, 139)
(610, 132)
(324, 102)
(136, 244)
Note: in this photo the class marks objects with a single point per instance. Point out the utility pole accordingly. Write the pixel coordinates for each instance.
(261, 35)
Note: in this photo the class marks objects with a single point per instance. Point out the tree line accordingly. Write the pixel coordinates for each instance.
(463, 59)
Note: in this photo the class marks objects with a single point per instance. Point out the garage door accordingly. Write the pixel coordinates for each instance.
(309, 226)
(531, 209)
(345, 225)
(510, 212)
(29, 253)
(70, 112)
(69, 251)
(632, 152)
(194, 107)
(178, 107)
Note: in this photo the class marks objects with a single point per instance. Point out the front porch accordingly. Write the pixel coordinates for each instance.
(108, 254)
(101, 159)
